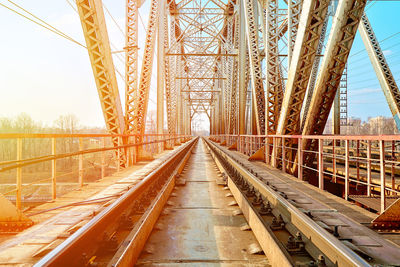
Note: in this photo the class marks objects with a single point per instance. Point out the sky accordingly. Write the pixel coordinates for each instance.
(365, 95)
(46, 76)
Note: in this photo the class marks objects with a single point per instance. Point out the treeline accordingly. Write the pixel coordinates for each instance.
(36, 147)
(373, 126)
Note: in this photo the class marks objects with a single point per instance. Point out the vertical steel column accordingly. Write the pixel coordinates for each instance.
(18, 200)
(284, 155)
(131, 66)
(255, 64)
(382, 174)
(369, 178)
(80, 171)
(103, 158)
(179, 99)
(169, 75)
(321, 164)
(53, 170)
(336, 114)
(346, 170)
(160, 72)
(334, 170)
(300, 160)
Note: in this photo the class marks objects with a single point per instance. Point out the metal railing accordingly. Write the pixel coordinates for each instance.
(365, 165)
(49, 158)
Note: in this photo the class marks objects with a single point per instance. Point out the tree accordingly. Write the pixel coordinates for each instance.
(67, 124)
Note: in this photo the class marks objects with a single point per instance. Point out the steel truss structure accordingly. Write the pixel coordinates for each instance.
(211, 53)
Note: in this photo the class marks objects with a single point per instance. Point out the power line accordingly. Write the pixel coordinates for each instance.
(45, 25)
(71, 5)
(380, 42)
(114, 20)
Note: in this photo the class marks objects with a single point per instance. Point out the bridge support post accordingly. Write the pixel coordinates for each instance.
(369, 180)
(321, 164)
(53, 170)
(274, 153)
(300, 160)
(18, 201)
(267, 149)
(118, 154)
(283, 155)
(346, 171)
(382, 174)
(103, 158)
(81, 162)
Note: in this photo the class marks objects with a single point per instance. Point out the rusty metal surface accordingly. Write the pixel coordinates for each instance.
(52, 227)
(12, 219)
(390, 218)
(198, 227)
(88, 243)
(373, 202)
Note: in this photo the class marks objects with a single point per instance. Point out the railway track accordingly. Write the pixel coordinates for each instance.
(289, 231)
(116, 235)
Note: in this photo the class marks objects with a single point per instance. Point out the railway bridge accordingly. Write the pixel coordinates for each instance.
(265, 187)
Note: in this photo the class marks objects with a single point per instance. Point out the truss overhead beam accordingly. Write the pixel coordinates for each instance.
(344, 28)
(200, 78)
(205, 91)
(201, 55)
(381, 67)
(255, 64)
(308, 35)
(147, 67)
(95, 32)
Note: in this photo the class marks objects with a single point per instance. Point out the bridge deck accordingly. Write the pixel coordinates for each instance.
(201, 224)
(54, 226)
(326, 208)
(198, 227)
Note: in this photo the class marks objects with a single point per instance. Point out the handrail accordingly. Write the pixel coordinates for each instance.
(369, 162)
(49, 135)
(133, 146)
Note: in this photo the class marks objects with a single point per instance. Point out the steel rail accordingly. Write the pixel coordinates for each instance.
(330, 246)
(68, 253)
(130, 249)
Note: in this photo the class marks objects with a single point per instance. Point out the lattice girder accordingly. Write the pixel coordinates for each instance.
(381, 67)
(308, 36)
(255, 65)
(344, 28)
